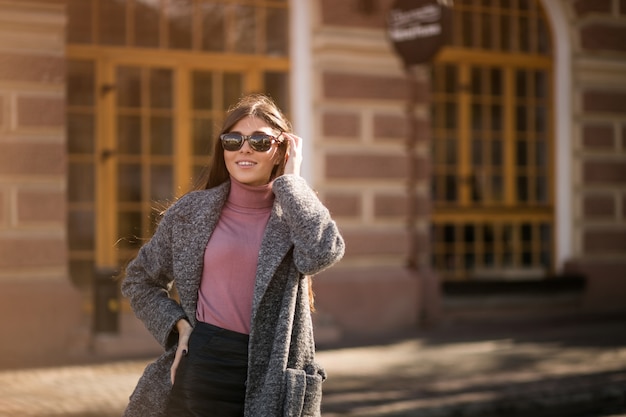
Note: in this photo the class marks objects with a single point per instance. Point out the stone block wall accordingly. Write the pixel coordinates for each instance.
(40, 309)
(599, 149)
(360, 96)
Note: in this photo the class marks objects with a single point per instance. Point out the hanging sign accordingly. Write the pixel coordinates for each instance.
(419, 28)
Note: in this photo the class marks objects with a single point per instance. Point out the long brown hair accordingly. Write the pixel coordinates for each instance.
(256, 105)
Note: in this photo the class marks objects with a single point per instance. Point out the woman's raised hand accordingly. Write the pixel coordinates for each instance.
(294, 155)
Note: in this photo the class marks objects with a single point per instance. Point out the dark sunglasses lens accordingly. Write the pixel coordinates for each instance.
(261, 143)
(231, 142)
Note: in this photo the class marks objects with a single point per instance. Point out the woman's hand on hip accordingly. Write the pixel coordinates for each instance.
(294, 155)
(184, 331)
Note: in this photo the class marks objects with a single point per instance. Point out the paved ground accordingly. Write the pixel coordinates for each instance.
(561, 368)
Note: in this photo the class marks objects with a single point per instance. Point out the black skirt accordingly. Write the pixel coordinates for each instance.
(211, 379)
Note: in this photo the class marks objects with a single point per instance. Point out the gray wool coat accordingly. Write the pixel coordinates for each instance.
(300, 239)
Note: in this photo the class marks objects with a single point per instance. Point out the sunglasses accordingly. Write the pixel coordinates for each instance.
(259, 142)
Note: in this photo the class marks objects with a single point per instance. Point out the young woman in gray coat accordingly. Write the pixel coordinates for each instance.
(238, 337)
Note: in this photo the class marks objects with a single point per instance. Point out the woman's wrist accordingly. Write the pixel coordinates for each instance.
(182, 325)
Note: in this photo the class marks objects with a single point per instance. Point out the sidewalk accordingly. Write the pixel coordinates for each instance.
(566, 368)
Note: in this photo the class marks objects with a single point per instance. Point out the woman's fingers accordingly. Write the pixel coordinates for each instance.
(294, 160)
(180, 352)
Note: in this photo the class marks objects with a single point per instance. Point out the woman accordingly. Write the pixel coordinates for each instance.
(239, 341)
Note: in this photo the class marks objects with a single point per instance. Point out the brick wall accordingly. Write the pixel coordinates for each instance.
(599, 120)
(360, 108)
(34, 280)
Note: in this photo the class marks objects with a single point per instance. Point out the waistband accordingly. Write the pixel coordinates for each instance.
(211, 329)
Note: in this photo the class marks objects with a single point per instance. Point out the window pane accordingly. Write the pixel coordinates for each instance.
(497, 156)
(276, 27)
(233, 88)
(541, 114)
(80, 134)
(449, 233)
(179, 16)
(450, 79)
(477, 152)
(450, 185)
(129, 184)
(80, 83)
(486, 34)
(202, 137)
(112, 22)
(161, 182)
(450, 115)
(469, 235)
(524, 34)
(277, 86)
(521, 115)
(161, 94)
(129, 230)
(477, 82)
(496, 117)
(81, 183)
(521, 153)
(521, 85)
(477, 116)
(541, 189)
(541, 84)
(129, 135)
(505, 32)
(202, 90)
(245, 29)
(79, 25)
(451, 152)
(161, 132)
(522, 188)
(128, 87)
(497, 188)
(467, 27)
(543, 37)
(496, 82)
(213, 27)
(146, 23)
(541, 157)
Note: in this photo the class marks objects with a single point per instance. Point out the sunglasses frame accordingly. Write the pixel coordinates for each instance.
(254, 144)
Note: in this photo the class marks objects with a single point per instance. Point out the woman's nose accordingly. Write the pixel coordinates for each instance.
(245, 147)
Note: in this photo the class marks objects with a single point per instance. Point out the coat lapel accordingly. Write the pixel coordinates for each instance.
(275, 245)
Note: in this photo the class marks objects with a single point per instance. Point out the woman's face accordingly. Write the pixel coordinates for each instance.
(247, 165)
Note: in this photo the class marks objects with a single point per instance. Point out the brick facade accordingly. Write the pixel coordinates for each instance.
(34, 280)
(599, 116)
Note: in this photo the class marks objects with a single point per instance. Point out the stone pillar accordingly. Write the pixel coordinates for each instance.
(361, 171)
(599, 121)
(39, 306)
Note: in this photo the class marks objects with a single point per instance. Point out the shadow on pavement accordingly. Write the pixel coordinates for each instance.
(561, 368)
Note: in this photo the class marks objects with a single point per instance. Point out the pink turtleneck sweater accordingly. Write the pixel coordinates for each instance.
(230, 258)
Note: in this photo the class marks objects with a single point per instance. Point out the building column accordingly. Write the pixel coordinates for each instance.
(41, 310)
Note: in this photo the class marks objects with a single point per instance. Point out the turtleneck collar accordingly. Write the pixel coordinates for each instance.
(250, 196)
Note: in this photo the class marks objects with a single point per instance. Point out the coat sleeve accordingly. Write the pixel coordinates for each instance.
(147, 283)
(315, 236)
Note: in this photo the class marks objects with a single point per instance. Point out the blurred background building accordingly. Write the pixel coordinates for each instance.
(109, 108)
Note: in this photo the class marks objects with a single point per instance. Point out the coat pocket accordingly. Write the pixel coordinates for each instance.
(303, 393)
